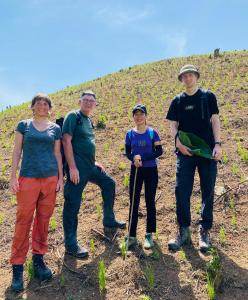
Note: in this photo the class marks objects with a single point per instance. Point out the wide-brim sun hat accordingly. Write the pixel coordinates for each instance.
(188, 69)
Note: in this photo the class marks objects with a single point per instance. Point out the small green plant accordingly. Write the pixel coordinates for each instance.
(235, 169)
(125, 180)
(233, 208)
(214, 269)
(101, 123)
(157, 234)
(222, 235)
(30, 268)
(13, 200)
(62, 281)
(99, 211)
(123, 249)
(102, 276)
(242, 153)
(182, 255)
(155, 255)
(225, 157)
(1, 218)
(92, 246)
(150, 276)
(122, 166)
(198, 207)
(53, 224)
(145, 297)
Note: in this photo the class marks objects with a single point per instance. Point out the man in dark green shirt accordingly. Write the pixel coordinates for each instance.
(79, 146)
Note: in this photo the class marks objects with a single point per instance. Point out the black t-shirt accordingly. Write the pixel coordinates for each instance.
(193, 114)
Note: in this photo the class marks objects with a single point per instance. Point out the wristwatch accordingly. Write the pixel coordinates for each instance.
(218, 143)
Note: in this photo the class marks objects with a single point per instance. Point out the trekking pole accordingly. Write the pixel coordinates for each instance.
(131, 211)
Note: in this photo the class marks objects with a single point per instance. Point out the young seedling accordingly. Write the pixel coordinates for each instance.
(150, 276)
(198, 207)
(182, 255)
(102, 276)
(125, 180)
(13, 200)
(92, 246)
(145, 297)
(225, 157)
(222, 235)
(1, 218)
(155, 255)
(122, 166)
(123, 249)
(62, 281)
(157, 234)
(99, 211)
(214, 270)
(30, 269)
(53, 224)
(235, 169)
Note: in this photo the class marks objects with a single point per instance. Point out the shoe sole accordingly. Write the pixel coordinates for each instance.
(76, 255)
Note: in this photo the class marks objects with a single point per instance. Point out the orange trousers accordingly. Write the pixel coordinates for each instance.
(36, 194)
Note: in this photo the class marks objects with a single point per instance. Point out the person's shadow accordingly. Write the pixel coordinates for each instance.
(165, 271)
(234, 278)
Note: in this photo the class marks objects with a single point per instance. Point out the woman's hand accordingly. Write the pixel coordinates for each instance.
(14, 185)
(137, 161)
(60, 185)
(217, 152)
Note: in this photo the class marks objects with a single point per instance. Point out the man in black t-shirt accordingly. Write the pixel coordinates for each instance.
(194, 111)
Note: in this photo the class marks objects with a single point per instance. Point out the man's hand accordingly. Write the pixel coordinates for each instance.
(217, 152)
(14, 185)
(74, 176)
(183, 149)
(100, 166)
(137, 161)
(60, 185)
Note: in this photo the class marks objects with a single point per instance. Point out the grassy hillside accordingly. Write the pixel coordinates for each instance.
(176, 275)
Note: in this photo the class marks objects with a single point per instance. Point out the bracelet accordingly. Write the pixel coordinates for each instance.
(218, 143)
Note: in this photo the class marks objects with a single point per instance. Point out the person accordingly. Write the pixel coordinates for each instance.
(79, 147)
(40, 178)
(194, 111)
(142, 146)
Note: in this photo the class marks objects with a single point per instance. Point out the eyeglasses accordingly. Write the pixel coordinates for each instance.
(89, 100)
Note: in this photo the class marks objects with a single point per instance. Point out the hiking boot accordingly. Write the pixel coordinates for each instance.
(17, 279)
(79, 252)
(41, 271)
(116, 224)
(182, 238)
(130, 242)
(204, 240)
(148, 243)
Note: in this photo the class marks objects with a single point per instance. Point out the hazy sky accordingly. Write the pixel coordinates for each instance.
(49, 44)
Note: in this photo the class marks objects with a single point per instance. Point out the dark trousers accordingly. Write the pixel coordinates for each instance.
(73, 200)
(185, 172)
(148, 176)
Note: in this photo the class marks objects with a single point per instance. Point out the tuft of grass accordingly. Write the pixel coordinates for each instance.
(155, 254)
(92, 246)
(222, 235)
(30, 269)
(126, 180)
(1, 218)
(150, 276)
(214, 270)
(157, 234)
(102, 276)
(62, 281)
(123, 249)
(13, 200)
(53, 223)
(99, 211)
(122, 166)
(182, 255)
(101, 122)
(198, 207)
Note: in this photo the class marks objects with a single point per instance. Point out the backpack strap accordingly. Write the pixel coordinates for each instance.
(204, 104)
(79, 120)
(129, 133)
(151, 133)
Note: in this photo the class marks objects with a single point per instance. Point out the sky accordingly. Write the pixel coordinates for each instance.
(46, 45)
